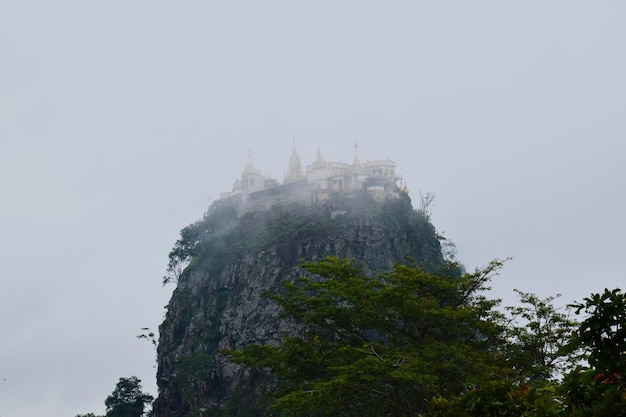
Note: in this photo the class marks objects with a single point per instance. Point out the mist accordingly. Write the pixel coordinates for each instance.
(122, 122)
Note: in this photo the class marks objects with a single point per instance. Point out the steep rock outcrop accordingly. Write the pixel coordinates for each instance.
(219, 304)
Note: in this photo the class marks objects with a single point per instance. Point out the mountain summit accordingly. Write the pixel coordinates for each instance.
(224, 263)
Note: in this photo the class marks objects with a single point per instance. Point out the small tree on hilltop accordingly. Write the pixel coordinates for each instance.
(127, 400)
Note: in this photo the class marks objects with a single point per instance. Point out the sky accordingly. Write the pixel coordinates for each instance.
(121, 121)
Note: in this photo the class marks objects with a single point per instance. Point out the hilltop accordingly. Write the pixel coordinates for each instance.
(231, 257)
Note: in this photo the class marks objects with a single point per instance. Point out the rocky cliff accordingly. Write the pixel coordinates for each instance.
(234, 259)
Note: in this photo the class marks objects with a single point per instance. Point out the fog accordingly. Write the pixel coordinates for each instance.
(120, 123)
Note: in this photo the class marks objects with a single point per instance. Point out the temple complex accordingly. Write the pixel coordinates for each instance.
(316, 183)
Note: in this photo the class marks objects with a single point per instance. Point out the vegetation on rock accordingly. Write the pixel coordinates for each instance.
(379, 345)
(380, 322)
(222, 236)
(224, 263)
(407, 343)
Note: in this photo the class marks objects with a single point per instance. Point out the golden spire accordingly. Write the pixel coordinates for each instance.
(295, 165)
(249, 169)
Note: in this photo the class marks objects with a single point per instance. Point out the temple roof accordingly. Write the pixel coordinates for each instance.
(249, 169)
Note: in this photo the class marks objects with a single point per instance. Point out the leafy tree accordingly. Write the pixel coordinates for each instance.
(220, 215)
(537, 351)
(537, 338)
(379, 346)
(408, 343)
(127, 400)
(500, 398)
(600, 389)
(597, 390)
(603, 332)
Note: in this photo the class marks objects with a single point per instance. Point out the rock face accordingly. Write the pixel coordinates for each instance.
(234, 259)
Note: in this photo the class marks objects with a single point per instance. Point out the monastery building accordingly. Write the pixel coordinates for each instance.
(316, 183)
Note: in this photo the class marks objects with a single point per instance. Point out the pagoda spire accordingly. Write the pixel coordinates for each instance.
(295, 166)
(356, 163)
(249, 169)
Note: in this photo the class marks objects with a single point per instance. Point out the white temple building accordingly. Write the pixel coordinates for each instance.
(317, 182)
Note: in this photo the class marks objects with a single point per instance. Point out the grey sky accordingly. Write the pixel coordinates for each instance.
(120, 121)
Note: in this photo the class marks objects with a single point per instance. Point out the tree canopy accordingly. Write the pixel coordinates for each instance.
(379, 345)
(128, 399)
(409, 343)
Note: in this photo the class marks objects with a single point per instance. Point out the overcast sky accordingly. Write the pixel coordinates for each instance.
(120, 122)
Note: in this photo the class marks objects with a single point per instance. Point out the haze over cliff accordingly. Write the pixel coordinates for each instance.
(235, 257)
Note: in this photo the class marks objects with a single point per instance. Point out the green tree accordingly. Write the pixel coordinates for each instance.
(603, 332)
(595, 390)
(600, 388)
(501, 398)
(535, 334)
(379, 346)
(537, 337)
(127, 400)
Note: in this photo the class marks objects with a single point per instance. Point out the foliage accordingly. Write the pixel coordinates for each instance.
(220, 216)
(214, 247)
(597, 390)
(223, 234)
(149, 336)
(127, 400)
(500, 398)
(603, 332)
(537, 335)
(408, 343)
(379, 345)
(600, 389)
(426, 200)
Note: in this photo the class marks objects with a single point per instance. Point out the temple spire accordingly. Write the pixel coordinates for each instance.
(249, 169)
(295, 166)
(356, 163)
